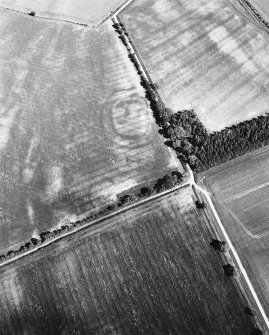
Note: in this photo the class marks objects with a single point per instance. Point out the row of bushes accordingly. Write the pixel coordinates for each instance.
(160, 185)
(124, 36)
(187, 135)
(161, 113)
(193, 144)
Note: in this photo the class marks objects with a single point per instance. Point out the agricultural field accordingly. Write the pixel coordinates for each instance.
(149, 270)
(262, 7)
(240, 190)
(205, 55)
(90, 12)
(75, 127)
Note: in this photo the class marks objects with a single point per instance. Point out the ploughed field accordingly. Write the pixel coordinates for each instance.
(203, 54)
(149, 270)
(90, 12)
(240, 190)
(75, 127)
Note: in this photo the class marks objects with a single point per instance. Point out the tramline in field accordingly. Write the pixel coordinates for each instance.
(151, 270)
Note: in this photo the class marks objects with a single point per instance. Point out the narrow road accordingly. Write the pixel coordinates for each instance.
(232, 248)
(206, 194)
(91, 223)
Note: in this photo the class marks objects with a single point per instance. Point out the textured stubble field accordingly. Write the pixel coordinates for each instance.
(240, 190)
(203, 54)
(75, 127)
(150, 271)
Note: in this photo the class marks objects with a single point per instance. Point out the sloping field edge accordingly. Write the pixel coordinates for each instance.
(254, 13)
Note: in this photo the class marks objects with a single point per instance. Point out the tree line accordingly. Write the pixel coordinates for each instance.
(167, 182)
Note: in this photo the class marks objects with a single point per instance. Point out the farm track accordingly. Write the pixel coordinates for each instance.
(93, 223)
(192, 183)
(83, 13)
(151, 271)
(45, 17)
(233, 251)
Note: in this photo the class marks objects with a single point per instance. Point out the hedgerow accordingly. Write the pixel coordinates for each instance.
(160, 185)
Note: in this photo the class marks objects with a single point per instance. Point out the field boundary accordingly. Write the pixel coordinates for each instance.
(117, 11)
(232, 249)
(92, 223)
(45, 17)
(142, 71)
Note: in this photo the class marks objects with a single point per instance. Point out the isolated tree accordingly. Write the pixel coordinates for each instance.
(218, 245)
(35, 241)
(28, 245)
(146, 191)
(22, 248)
(11, 253)
(229, 270)
(200, 204)
(177, 176)
(249, 311)
(164, 183)
(154, 86)
(111, 207)
(126, 200)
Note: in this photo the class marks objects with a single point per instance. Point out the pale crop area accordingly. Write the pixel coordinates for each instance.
(240, 190)
(75, 127)
(90, 12)
(203, 54)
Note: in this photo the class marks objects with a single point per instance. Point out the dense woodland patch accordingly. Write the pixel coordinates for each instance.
(203, 150)
(200, 148)
(195, 145)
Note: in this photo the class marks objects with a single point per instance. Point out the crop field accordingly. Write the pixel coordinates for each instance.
(151, 270)
(240, 190)
(203, 54)
(75, 127)
(89, 12)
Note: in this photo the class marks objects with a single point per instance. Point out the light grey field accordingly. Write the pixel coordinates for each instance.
(203, 54)
(89, 12)
(75, 127)
(240, 190)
